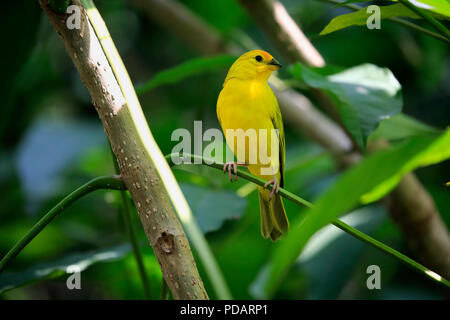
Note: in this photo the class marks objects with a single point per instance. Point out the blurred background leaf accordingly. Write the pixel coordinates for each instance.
(212, 208)
(401, 126)
(80, 261)
(359, 18)
(364, 95)
(185, 70)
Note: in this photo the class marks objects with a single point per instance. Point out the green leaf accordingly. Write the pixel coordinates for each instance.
(434, 154)
(364, 95)
(185, 70)
(359, 18)
(212, 207)
(41, 271)
(401, 126)
(346, 193)
(441, 7)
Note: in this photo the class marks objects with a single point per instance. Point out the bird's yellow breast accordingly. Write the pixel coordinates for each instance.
(245, 104)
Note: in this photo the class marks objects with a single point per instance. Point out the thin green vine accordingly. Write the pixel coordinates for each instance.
(164, 293)
(402, 22)
(428, 17)
(338, 223)
(115, 183)
(106, 182)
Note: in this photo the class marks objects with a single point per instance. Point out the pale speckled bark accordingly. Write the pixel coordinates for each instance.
(131, 140)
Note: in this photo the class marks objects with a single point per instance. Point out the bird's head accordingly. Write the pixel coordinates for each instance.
(253, 65)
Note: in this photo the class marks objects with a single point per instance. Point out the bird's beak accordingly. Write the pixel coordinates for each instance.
(274, 62)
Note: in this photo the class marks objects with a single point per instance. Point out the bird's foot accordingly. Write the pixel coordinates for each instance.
(275, 188)
(232, 166)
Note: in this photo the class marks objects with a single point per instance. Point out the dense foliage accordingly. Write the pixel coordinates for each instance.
(390, 84)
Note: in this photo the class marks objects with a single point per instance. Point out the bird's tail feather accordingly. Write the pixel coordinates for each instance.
(274, 221)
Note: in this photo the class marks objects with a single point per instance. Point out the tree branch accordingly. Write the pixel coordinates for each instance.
(200, 36)
(284, 32)
(145, 172)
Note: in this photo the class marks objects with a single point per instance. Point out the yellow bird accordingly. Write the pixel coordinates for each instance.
(246, 102)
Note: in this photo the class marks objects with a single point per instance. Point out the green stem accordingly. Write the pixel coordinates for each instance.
(129, 226)
(106, 182)
(134, 244)
(394, 253)
(164, 294)
(420, 29)
(431, 21)
(402, 22)
(338, 223)
(247, 176)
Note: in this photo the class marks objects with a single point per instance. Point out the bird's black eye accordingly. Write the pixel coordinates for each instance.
(258, 58)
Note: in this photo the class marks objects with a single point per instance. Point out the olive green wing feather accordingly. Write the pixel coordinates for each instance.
(277, 121)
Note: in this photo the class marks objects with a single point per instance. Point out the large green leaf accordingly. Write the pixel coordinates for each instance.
(364, 95)
(41, 271)
(440, 7)
(370, 175)
(212, 207)
(401, 126)
(359, 18)
(432, 155)
(185, 70)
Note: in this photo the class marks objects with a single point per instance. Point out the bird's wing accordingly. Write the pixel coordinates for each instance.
(218, 108)
(277, 121)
